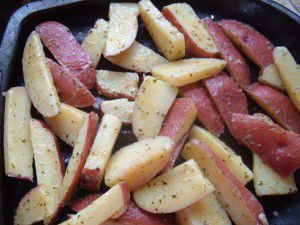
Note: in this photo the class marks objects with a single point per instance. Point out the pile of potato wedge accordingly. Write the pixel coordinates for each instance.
(199, 76)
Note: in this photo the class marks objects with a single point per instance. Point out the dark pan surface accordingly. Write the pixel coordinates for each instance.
(281, 26)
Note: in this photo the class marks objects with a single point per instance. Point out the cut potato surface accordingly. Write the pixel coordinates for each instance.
(289, 73)
(18, 155)
(151, 106)
(187, 71)
(100, 153)
(95, 41)
(167, 38)
(269, 75)
(268, 182)
(38, 79)
(229, 157)
(117, 84)
(123, 26)
(198, 42)
(138, 58)
(174, 190)
(121, 108)
(139, 162)
(67, 123)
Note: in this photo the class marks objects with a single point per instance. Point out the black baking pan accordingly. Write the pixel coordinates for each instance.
(279, 24)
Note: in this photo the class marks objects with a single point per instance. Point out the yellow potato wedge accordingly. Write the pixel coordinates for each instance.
(270, 76)
(121, 108)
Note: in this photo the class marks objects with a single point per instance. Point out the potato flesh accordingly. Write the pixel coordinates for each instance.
(121, 108)
(137, 163)
(38, 79)
(268, 182)
(289, 73)
(229, 157)
(151, 106)
(168, 39)
(95, 41)
(188, 71)
(18, 155)
(270, 76)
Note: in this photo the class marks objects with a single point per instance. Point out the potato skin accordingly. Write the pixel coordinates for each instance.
(207, 112)
(276, 146)
(277, 104)
(252, 43)
(67, 51)
(236, 64)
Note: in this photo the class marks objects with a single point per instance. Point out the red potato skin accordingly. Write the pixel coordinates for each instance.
(90, 179)
(112, 95)
(252, 43)
(276, 146)
(67, 51)
(230, 180)
(84, 202)
(192, 48)
(236, 64)
(277, 104)
(69, 88)
(207, 112)
(227, 96)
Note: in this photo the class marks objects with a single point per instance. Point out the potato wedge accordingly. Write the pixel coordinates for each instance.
(67, 123)
(207, 112)
(237, 200)
(38, 79)
(198, 42)
(113, 84)
(174, 190)
(229, 157)
(146, 158)
(252, 43)
(152, 104)
(268, 182)
(80, 153)
(95, 41)
(18, 155)
(123, 26)
(100, 153)
(121, 108)
(82, 203)
(289, 73)
(208, 210)
(277, 105)
(188, 71)
(269, 75)
(138, 58)
(236, 64)
(166, 37)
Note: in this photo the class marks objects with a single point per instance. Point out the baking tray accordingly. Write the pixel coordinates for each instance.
(279, 24)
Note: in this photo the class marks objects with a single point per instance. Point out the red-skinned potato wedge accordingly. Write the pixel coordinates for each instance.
(38, 79)
(236, 64)
(69, 88)
(146, 158)
(174, 190)
(18, 155)
(100, 153)
(186, 71)
(80, 153)
(227, 96)
(277, 105)
(121, 108)
(138, 58)
(207, 112)
(67, 51)
(67, 123)
(166, 37)
(113, 84)
(34, 207)
(276, 146)
(252, 43)
(198, 42)
(115, 199)
(82, 203)
(123, 26)
(269, 75)
(95, 41)
(238, 201)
